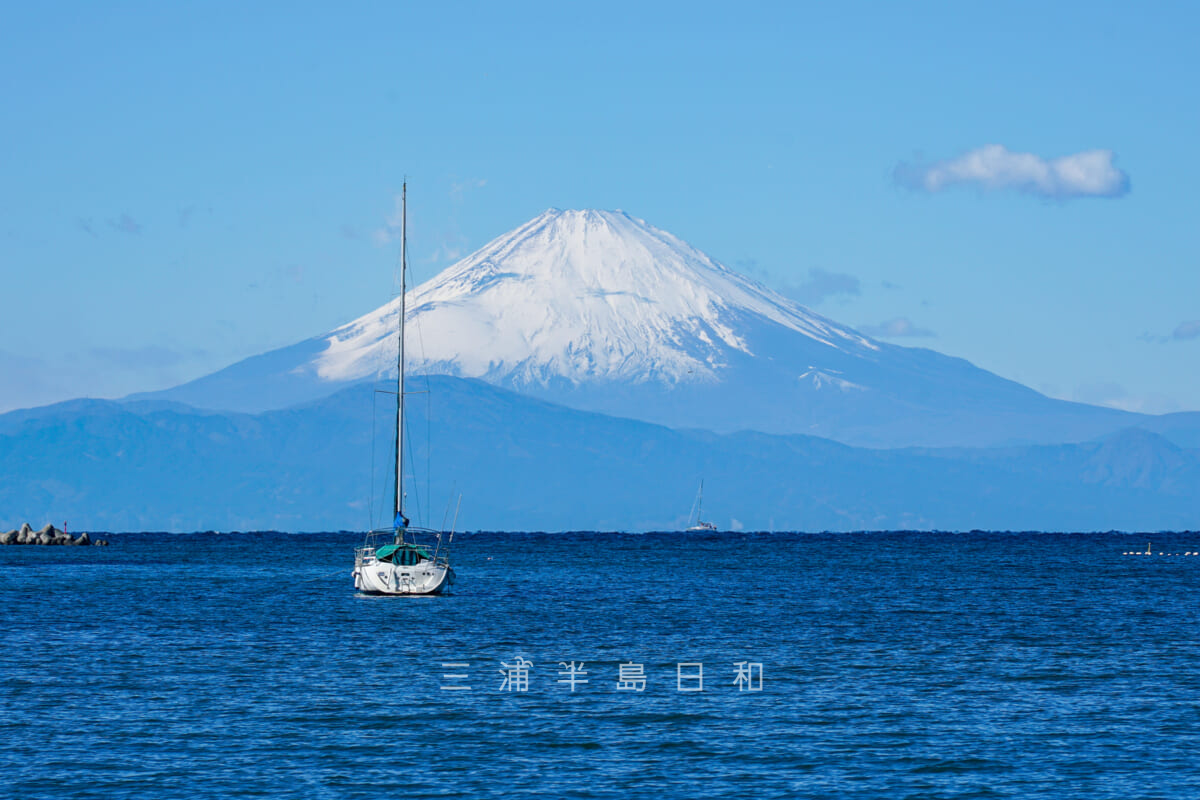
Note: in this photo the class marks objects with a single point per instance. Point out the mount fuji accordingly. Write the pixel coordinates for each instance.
(700, 373)
(600, 311)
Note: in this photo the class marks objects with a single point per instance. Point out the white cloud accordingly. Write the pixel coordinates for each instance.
(895, 328)
(1087, 174)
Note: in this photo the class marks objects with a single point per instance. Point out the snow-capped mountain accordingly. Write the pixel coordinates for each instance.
(601, 311)
(579, 297)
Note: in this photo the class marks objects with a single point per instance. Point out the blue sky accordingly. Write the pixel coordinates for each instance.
(185, 185)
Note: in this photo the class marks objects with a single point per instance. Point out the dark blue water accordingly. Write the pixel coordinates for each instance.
(893, 666)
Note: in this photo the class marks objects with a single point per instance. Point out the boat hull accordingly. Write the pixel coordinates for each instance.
(381, 577)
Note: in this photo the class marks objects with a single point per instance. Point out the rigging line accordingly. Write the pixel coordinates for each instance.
(382, 365)
(446, 516)
(412, 460)
(428, 450)
(428, 414)
(371, 493)
(402, 315)
(400, 252)
(416, 321)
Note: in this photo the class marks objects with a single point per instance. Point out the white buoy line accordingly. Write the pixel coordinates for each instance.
(1149, 552)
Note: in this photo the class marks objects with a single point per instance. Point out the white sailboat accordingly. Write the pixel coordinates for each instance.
(695, 523)
(402, 559)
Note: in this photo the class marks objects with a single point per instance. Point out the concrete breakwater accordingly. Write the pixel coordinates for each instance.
(47, 535)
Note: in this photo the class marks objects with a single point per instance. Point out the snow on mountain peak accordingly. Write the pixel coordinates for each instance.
(576, 296)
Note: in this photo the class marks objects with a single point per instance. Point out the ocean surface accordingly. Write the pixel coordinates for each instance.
(874, 665)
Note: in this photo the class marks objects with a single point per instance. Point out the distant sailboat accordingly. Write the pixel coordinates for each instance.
(402, 559)
(695, 522)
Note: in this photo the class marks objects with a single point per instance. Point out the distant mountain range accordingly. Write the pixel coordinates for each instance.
(600, 311)
(524, 464)
(596, 369)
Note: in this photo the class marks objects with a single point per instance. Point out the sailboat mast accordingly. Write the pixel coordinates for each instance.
(398, 516)
(700, 503)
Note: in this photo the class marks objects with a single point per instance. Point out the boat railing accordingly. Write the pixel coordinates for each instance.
(426, 538)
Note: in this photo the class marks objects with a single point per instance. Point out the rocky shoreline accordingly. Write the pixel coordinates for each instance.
(48, 535)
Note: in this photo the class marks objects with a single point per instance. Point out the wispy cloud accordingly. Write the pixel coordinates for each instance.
(460, 188)
(897, 328)
(452, 248)
(391, 223)
(95, 372)
(126, 224)
(149, 357)
(1189, 329)
(822, 285)
(454, 245)
(1087, 174)
(281, 277)
(1186, 330)
(1114, 395)
(29, 382)
(85, 224)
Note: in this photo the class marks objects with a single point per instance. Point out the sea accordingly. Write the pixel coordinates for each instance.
(606, 665)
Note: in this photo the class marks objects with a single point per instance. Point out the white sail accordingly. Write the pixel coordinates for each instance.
(695, 519)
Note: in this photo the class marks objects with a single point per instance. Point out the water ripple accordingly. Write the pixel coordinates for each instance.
(893, 666)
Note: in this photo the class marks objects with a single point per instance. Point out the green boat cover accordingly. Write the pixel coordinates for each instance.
(407, 555)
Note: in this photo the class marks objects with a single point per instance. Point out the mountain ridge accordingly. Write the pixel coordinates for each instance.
(601, 311)
(525, 464)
